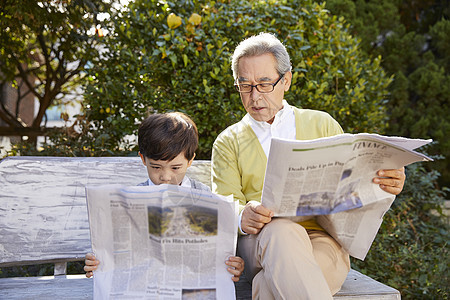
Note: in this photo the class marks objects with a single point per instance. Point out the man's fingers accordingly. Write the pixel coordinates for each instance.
(257, 222)
(391, 180)
(393, 186)
(259, 214)
(251, 227)
(250, 230)
(254, 217)
(253, 223)
(393, 173)
(263, 211)
(388, 182)
(390, 189)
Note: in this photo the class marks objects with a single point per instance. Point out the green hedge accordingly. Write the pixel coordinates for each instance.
(413, 37)
(149, 67)
(410, 251)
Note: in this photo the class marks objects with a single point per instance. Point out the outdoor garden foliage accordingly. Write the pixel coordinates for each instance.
(413, 37)
(410, 251)
(45, 47)
(160, 56)
(176, 56)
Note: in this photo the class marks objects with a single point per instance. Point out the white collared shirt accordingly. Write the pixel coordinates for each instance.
(186, 182)
(283, 126)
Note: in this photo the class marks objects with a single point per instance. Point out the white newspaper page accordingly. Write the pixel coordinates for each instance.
(332, 177)
(356, 229)
(161, 242)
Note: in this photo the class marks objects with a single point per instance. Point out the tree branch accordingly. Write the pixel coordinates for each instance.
(44, 49)
(24, 77)
(6, 116)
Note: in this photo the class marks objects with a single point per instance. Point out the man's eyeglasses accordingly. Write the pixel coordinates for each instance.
(260, 87)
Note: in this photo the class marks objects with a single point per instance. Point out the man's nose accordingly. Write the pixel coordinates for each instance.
(255, 94)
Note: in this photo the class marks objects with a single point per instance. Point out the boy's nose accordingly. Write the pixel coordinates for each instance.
(165, 177)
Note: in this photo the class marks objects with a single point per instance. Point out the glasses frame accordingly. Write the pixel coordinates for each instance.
(236, 86)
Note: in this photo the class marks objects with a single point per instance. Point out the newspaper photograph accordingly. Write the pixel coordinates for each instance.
(161, 242)
(331, 179)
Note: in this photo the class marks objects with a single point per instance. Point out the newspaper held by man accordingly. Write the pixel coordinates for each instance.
(161, 242)
(330, 179)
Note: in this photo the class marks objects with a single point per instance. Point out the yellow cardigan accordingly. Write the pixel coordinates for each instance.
(238, 161)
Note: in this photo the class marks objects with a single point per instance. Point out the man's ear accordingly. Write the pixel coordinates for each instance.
(142, 158)
(287, 80)
(190, 162)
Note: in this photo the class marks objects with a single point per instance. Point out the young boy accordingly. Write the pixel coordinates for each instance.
(167, 144)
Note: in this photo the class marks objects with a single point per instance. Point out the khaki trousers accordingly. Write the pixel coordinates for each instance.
(285, 261)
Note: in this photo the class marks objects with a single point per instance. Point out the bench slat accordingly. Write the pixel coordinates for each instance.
(356, 286)
(47, 287)
(43, 205)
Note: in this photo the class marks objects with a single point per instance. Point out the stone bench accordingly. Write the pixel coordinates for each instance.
(43, 219)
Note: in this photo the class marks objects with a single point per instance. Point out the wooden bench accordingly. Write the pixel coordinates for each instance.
(43, 219)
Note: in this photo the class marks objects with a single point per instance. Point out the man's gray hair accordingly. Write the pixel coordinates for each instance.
(258, 45)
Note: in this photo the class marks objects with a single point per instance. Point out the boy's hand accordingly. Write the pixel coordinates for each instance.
(235, 266)
(391, 181)
(91, 264)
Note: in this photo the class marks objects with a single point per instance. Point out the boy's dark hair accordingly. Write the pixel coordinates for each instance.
(165, 136)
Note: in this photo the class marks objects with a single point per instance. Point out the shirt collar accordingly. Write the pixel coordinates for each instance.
(186, 182)
(279, 116)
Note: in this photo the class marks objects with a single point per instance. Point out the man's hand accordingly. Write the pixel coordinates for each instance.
(254, 217)
(391, 181)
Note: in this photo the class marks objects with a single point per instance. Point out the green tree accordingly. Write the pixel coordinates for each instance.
(44, 49)
(413, 37)
(410, 251)
(151, 65)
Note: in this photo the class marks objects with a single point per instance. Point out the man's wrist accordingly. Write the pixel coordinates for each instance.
(239, 224)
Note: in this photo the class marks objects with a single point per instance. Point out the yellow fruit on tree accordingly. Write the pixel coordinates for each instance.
(173, 21)
(195, 19)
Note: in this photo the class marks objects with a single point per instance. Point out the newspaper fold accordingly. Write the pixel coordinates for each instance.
(161, 242)
(330, 179)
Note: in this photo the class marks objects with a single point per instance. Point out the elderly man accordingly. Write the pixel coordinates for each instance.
(286, 260)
